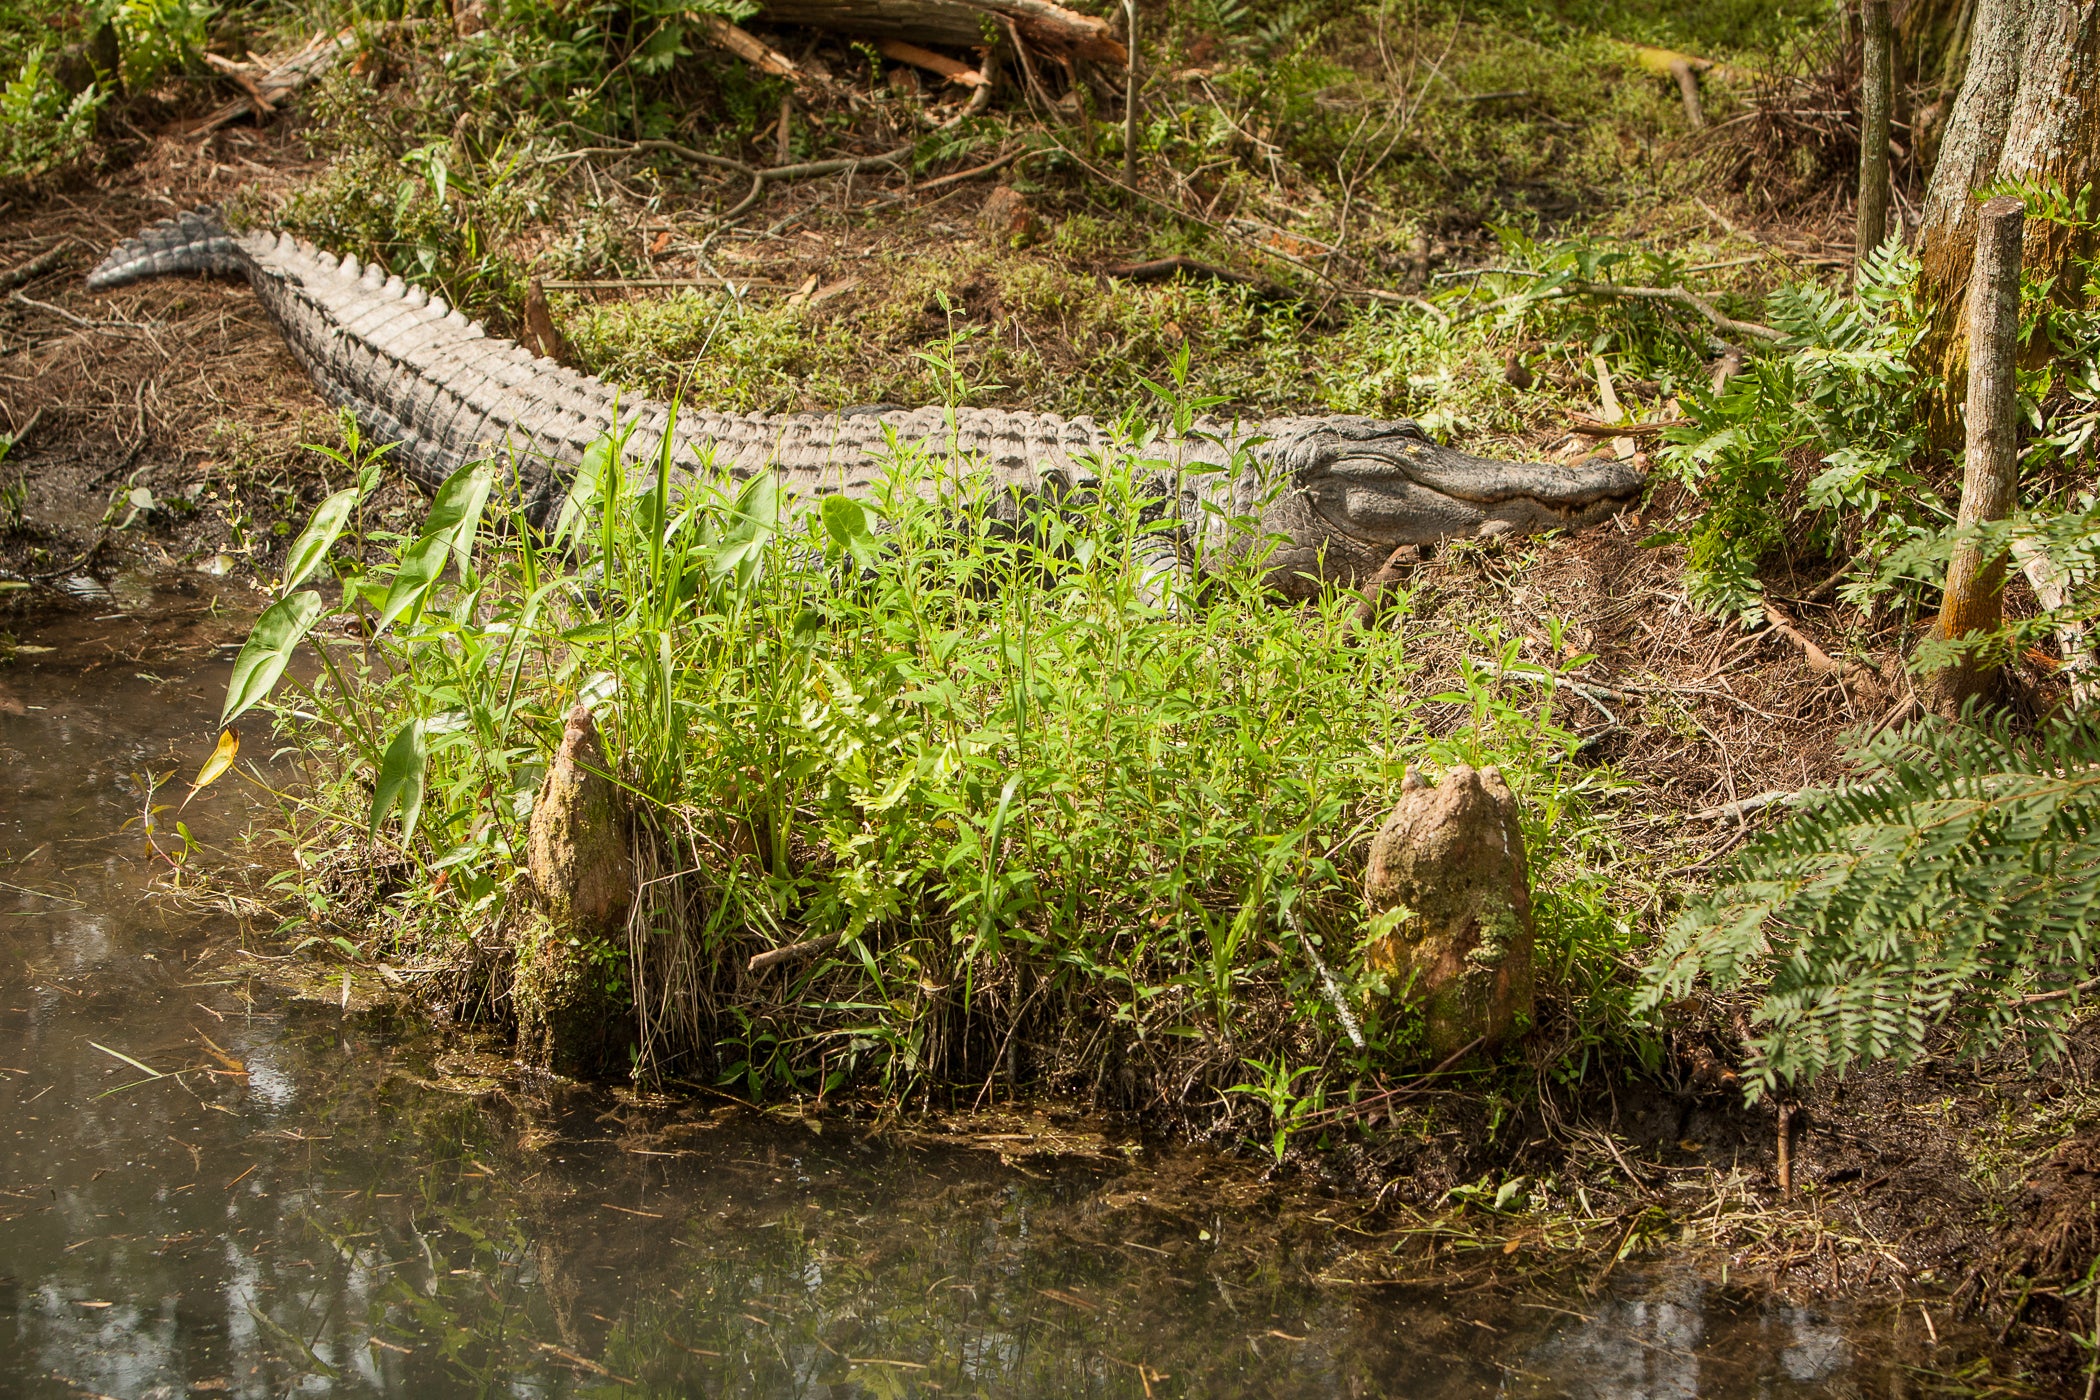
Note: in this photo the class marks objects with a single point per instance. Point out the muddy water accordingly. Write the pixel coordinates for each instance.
(210, 1187)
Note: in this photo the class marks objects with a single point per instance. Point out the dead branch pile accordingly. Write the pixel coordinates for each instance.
(1795, 150)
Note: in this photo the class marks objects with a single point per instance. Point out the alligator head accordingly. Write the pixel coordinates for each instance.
(1346, 492)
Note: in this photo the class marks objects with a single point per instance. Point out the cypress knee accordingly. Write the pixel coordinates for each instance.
(571, 990)
(1449, 864)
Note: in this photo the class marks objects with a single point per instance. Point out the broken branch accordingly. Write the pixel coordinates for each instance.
(36, 267)
(753, 50)
(953, 70)
(953, 23)
(270, 81)
(793, 953)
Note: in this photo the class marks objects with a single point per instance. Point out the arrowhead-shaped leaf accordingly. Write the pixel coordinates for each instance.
(319, 537)
(752, 523)
(277, 635)
(846, 521)
(448, 531)
(400, 784)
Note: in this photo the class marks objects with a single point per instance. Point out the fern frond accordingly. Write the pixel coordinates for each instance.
(1955, 883)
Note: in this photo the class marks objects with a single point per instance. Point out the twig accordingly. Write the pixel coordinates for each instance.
(1160, 269)
(1786, 1151)
(1819, 660)
(618, 284)
(1743, 807)
(1821, 590)
(1130, 92)
(2037, 998)
(60, 312)
(15, 438)
(1420, 303)
(36, 267)
(1678, 295)
(761, 176)
(793, 953)
(1333, 988)
(1681, 297)
(1584, 426)
(975, 172)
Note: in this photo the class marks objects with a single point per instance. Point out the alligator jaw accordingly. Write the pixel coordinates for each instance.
(1360, 488)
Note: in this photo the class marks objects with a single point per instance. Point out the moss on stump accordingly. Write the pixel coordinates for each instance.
(1448, 872)
(571, 989)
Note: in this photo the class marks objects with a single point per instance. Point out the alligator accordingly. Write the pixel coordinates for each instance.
(1335, 496)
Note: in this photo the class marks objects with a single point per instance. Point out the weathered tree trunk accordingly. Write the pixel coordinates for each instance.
(2029, 108)
(1930, 34)
(955, 23)
(1975, 596)
(1876, 84)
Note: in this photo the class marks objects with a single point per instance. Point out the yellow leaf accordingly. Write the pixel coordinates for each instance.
(221, 759)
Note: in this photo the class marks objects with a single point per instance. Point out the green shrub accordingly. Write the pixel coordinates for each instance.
(1840, 399)
(155, 37)
(1049, 824)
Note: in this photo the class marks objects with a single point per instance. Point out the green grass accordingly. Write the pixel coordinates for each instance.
(1070, 840)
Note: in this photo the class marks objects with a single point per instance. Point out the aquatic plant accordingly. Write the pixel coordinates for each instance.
(1014, 822)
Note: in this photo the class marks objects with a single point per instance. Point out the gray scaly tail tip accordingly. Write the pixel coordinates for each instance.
(195, 241)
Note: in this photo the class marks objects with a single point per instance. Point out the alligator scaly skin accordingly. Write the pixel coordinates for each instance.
(1344, 491)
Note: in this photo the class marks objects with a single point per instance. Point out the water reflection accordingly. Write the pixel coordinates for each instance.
(207, 1189)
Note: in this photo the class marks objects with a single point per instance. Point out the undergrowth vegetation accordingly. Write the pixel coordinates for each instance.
(1050, 835)
(1947, 892)
(1063, 836)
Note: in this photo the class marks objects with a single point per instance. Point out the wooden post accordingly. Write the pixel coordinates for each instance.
(1130, 93)
(1974, 600)
(1876, 80)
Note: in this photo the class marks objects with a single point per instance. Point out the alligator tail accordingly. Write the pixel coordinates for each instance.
(195, 241)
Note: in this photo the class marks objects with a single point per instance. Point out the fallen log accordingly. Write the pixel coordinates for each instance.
(1160, 269)
(269, 81)
(793, 953)
(955, 23)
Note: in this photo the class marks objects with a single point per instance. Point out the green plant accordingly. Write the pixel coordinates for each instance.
(1275, 1088)
(42, 126)
(1951, 886)
(156, 37)
(1841, 394)
(965, 751)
